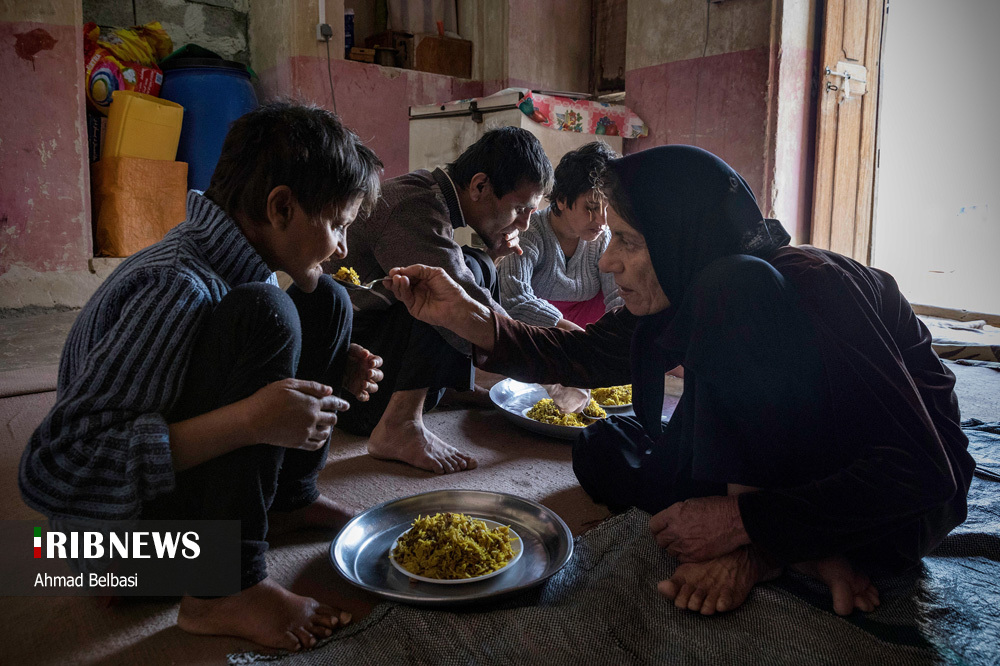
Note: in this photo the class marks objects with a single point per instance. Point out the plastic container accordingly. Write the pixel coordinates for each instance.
(142, 126)
(214, 93)
(348, 31)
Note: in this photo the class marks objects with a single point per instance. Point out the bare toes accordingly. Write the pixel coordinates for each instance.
(327, 619)
(305, 637)
(697, 600)
(292, 642)
(667, 588)
(319, 630)
(711, 604)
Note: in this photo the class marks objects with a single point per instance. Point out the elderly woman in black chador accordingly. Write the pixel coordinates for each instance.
(817, 428)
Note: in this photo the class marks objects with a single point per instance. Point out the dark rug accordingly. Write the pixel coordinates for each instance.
(603, 608)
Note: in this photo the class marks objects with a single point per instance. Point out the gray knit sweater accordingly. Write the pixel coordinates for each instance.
(105, 446)
(529, 281)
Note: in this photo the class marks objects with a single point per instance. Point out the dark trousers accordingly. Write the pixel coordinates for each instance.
(256, 335)
(414, 355)
(753, 387)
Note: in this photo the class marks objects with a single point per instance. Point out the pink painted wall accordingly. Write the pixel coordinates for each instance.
(718, 103)
(373, 101)
(44, 181)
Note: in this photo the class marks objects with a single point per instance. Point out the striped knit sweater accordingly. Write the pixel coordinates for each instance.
(529, 281)
(104, 448)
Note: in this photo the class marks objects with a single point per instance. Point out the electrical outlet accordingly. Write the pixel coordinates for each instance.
(323, 35)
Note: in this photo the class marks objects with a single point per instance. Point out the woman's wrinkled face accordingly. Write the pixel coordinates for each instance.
(627, 259)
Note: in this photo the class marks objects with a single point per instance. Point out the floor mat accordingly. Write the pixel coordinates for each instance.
(603, 608)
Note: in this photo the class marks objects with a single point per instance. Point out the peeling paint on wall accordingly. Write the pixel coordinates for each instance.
(28, 44)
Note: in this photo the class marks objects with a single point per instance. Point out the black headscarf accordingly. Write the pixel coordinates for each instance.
(692, 208)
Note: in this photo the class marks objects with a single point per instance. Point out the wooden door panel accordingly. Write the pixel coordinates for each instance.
(855, 22)
(845, 179)
(845, 144)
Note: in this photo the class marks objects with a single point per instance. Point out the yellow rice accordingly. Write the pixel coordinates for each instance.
(545, 411)
(613, 395)
(345, 274)
(451, 546)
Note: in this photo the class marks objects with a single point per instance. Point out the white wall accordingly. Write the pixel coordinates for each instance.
(937, 216)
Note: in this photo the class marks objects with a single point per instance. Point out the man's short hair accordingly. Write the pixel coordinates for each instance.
(509, 156)
(304, 147)
(579, 171)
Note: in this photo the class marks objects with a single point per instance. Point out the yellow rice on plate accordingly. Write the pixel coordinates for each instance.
(452, 546)
(345, 274)
(545, 411)
(613, 396)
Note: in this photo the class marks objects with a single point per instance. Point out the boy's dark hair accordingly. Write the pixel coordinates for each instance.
(509, 156)
(304, 147)
(579, 171)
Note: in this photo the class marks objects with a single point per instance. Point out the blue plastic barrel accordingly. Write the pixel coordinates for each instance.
(213, 93)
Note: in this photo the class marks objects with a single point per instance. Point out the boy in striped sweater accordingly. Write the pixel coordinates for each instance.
(192, 387)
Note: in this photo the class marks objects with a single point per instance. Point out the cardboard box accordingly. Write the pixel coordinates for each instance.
(362, 55)
(442, 55)
(136, 202)
(395, 39)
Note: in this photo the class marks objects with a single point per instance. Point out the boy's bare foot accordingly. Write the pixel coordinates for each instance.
(323, 513)
(266, 613)
(412, 443)
(850, 589)
(717, 585)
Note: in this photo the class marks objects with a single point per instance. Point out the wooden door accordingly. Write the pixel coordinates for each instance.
(845, 145)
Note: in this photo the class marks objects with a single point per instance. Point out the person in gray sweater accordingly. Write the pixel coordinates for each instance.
(493, 187)
(555, 280)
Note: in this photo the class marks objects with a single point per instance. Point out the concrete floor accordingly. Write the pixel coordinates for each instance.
(34, 340)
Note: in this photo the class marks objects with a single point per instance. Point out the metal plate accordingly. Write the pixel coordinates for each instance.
(512, 398)
(360, 553)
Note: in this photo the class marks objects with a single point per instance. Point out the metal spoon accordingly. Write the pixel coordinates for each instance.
(366, 285)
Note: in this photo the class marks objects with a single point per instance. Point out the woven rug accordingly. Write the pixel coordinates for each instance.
(603, 608)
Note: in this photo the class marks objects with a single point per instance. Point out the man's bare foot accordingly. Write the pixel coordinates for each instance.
(412, 443)
(323, 513)
(266, 613)
(850, 589)
(717, 585)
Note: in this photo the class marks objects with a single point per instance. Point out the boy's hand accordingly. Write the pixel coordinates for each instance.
(362, 375)
(294, 413)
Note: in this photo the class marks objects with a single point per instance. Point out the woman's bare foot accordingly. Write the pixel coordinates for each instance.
(266, 613)
(323, 513)
(717, 585)
(850, 589)
(412, 443)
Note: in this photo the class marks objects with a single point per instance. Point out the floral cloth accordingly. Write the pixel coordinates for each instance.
(577, 115)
